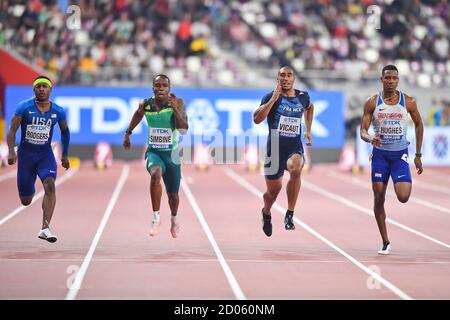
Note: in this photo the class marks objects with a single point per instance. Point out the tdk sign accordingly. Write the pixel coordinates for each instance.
(103, 113)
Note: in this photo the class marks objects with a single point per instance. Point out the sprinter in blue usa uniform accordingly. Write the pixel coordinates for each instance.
(284, 108)
(37, 117)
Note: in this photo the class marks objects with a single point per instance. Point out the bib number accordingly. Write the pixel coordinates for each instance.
(160, 138)
(289, 126)
(37, 134)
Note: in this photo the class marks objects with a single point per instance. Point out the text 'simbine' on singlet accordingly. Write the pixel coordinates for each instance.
(162, 134)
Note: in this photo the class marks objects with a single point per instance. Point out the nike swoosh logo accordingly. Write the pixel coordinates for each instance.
(383, 109)
(401, 176)
(31, 112)
(52, 171)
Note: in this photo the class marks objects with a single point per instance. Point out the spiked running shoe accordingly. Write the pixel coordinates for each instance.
(174, 229)
(288, 223)
(154, 230)
(267, 223)
(46, 234)
(386, 249)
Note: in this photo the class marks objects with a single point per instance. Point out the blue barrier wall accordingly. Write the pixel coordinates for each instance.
(103, 113)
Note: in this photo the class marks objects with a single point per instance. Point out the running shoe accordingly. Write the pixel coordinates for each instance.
(175, 229)
(288, 223)
(46, 234)
(156, 225)
(267, 223)
(386, 249)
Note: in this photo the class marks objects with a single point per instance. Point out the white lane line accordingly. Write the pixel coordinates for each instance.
(369, 212)
(60, 180)
(8, 175)
(233, 175)
(391, 193)
(214, 260)
(436, 175)
(430, 186)
(238, 293)
(75, 287)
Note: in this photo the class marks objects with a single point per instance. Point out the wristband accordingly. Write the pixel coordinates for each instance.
(418, 154)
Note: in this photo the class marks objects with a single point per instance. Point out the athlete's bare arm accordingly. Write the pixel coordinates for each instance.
(137, 117)
(309, 115)
(263, 110)
(11, 138)
(411, 106)
(64, 158)
(366, 120)
(179, 113)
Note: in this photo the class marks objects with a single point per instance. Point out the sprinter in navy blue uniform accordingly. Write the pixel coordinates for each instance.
(37, 117)
(284, 108)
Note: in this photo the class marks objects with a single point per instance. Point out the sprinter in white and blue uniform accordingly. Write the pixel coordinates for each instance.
(37, 118)
(388, 112)
(284, 108)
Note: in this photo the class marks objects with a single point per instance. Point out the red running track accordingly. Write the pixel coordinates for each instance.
(102, 219)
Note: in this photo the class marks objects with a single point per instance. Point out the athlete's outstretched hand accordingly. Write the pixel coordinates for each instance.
(65, 162)
(12, 157)
(418, 164)
(126, 141)
(308, 138)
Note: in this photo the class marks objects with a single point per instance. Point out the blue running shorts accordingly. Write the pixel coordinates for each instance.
(390, 163)
(32, 163)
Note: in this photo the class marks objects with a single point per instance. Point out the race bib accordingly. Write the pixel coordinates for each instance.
(160, 138)
(37, 134)
(391, 130)
(289, 126)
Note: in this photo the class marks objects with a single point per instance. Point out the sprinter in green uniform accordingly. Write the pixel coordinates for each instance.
(166, 117)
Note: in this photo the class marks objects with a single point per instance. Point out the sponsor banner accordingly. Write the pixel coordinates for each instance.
(435, 147)
(103, 114)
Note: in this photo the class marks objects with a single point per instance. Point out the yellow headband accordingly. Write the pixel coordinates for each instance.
(42, 80)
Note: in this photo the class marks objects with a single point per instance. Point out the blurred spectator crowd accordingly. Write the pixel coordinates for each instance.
(353, 39)
(439, 113)
(121, 41)
(219, 42)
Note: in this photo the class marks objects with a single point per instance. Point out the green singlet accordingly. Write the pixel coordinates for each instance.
(162, 144)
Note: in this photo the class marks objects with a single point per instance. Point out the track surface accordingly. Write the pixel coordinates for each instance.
(102, 219)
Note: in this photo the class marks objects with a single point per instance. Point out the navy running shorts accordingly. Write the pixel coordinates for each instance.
(390, 163)
(32, 163)
(274, 166)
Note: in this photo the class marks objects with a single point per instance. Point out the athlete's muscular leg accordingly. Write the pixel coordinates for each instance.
(294, 165)
(273, 189)
(26, 201)
(49, 201)
(403, 191)
(174, 201)
(156, 187)
(379, 192)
